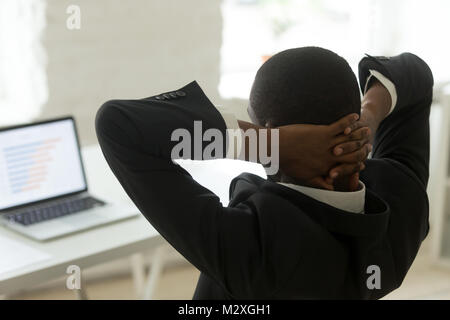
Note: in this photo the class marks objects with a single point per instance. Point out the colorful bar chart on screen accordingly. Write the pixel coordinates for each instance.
(39, 162)
(27, 164)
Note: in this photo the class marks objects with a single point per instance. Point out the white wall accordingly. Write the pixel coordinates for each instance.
(129, 49)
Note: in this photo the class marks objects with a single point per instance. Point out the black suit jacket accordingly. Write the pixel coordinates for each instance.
(272, 242)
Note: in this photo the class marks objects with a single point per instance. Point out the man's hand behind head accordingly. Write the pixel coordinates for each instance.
(308, 156)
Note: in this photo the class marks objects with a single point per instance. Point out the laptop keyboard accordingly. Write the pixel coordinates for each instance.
(29, 216)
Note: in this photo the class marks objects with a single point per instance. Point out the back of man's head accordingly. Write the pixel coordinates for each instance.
(308, 85)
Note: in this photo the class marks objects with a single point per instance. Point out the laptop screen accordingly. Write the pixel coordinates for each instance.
(39, 162)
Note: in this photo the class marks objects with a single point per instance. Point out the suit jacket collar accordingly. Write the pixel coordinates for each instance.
(373, 223)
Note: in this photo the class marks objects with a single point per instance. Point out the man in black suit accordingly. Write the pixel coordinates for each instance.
(313, 230)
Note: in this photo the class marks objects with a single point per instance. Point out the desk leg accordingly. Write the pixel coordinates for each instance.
(138, 272)
(154, 273)
(81, 294)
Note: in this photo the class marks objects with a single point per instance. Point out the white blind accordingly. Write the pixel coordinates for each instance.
(253, 28)
(23, 86)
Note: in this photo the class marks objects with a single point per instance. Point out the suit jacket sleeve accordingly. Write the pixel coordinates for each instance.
(411, 76)
(135, 137)
(403, 137)
(402, 145)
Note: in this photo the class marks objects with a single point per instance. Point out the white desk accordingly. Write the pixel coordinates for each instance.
(87, 248)
(116, 240)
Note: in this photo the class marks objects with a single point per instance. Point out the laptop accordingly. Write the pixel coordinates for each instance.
(43, 188)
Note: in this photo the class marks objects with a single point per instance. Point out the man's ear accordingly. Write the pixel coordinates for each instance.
(251, 114)
(269, 124)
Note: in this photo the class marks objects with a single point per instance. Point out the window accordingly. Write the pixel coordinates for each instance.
(254, 29)
(23, 87)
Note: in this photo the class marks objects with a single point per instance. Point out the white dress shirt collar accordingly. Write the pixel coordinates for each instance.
(348, 201)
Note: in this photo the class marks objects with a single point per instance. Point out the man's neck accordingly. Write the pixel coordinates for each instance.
(346, 184)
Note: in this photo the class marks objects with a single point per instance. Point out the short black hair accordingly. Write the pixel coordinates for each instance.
(308, 85)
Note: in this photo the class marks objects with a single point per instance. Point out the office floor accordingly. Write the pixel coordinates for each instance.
(422, 282)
